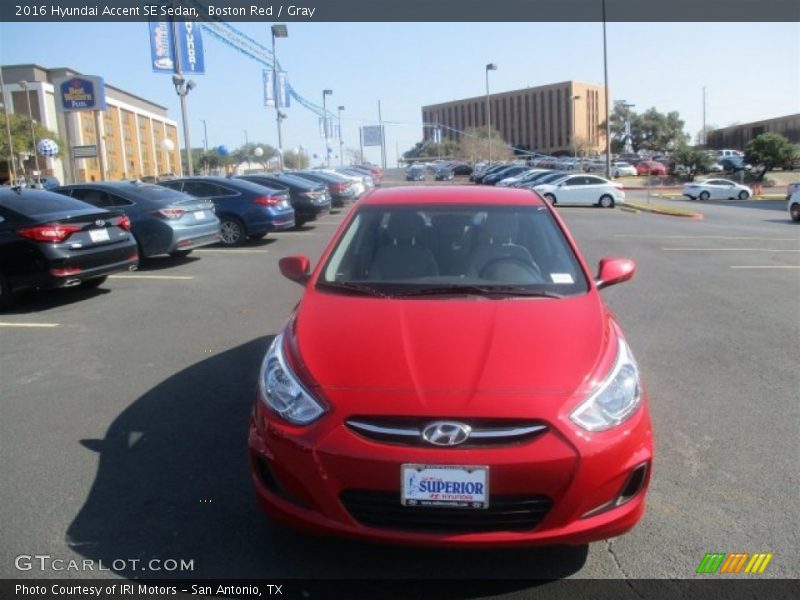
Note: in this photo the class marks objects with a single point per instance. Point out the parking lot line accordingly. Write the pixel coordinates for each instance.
(703, 237)
(765, 266)
(43, 325)
(732, 249)
(179, 277)
(231, 251)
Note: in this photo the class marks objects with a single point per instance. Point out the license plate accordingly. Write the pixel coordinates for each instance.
(448, 486)
(99, 235)
(199, 215)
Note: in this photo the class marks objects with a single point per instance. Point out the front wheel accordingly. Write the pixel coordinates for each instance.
(231, 231)
(607, 201)
(704, 196)
(550, 198)
(794, 212)
(743, 195)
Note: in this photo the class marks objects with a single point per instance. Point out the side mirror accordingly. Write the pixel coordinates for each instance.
(296, 268)
(614, 270)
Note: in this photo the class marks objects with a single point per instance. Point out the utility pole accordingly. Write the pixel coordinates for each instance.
(383, 138)
(605, 80)
(705, 142)
(205, 135)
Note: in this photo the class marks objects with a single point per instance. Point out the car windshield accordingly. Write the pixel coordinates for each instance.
(428, 250)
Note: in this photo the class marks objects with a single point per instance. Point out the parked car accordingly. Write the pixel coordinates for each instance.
(245, 209)
(727, 153)
(461, 169)
(583, 189)
(520, 420)
(164, 221)
(489, 170)
(415, 173)
(497, 176)
(733, 164)
(650, 167)
(716, 189)
(791, 189)
(522, 178)
(622, 169)
(340, 188)
(793, 206)
(365, 177)
(49, 240)
(444, 173)
(375, 171)
(309, 199)
(540, 178)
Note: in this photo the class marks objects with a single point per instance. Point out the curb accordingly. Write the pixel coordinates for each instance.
(761, 198)
(629, 209)
(663, 211)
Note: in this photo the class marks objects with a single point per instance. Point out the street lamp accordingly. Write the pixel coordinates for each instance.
(489, 67)
(325, 125)
(278, 31)
(574, 141)
(24, 85)
(341, 142)
(182, 88)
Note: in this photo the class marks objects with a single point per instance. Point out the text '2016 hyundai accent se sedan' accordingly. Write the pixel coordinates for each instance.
(452, 376)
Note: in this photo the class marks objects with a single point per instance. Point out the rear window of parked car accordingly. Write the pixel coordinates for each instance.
(35, 203)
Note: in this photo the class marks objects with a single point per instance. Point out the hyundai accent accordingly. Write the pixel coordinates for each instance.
(452, 376)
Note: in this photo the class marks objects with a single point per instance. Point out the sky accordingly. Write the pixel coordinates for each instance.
(751, 71)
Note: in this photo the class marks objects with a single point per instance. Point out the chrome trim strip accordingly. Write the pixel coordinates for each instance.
(410, 432)
(511, 432)
(493, 433)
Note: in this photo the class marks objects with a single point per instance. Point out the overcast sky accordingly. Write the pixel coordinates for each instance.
(751, 71)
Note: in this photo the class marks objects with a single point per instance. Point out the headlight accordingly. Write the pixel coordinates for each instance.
(617, 397)
(282, 392)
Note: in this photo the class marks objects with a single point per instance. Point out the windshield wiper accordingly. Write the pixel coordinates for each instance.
(482, 290)
(349, 286)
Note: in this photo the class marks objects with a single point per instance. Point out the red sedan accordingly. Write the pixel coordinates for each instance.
(452, 376)
(650, 167)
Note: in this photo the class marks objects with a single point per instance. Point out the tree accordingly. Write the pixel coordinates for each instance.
(702, 135)
(474, 146)
(21, 136)
(767, 151)
(353, 156)
(694, 161)
(650, 130)
(295, 160)
(431, 150)
(247, 153)
(208, 162)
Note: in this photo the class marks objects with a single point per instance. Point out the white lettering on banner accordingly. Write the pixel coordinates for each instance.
(191, 54)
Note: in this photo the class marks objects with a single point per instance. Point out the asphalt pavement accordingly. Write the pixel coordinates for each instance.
(123, 410)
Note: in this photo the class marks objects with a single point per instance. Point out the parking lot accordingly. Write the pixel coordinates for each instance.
(125, 409)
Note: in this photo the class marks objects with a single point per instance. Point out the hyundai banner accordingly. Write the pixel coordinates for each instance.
(190, 43)
(269, 87)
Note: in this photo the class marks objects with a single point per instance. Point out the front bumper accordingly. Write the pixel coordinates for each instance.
(301, 476)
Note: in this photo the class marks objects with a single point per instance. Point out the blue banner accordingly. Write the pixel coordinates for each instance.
(282, 90)
(269, 87)
(162, 50)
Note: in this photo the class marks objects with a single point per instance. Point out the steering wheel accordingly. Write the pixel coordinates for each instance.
(528, 267)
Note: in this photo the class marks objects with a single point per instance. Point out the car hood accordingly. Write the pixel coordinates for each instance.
(401, 356)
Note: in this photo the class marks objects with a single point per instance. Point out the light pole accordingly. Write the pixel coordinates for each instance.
(704, 117)
(326, 93)
(341, 142)
(574, 140)
(278, 31)
(205, 135)
(24, 85)
(489, 67)
(182, 88)
(605, 82)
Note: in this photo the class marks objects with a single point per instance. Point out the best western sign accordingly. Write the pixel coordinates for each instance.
(81, 92)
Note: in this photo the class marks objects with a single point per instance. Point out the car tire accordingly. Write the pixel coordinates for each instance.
(606, 201)
(298, 223)
(232, 232)
(6, 295)
(794, 212)
(743, 195)
(551, 199)
(704, 196)
(180, 253)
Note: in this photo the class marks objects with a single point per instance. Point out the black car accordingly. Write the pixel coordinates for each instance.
(444, 173)
(509, 171)
(461, 168)
(310, 200)
(732, 164)
(479, 176)
(415, 173)
(163, 220)
(245, 210)
(48, 241)
(339, 188)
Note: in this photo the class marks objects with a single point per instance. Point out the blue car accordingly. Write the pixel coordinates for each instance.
(245, 209)
(162, 221)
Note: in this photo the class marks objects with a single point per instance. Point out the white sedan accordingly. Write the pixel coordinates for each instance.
(716, 189)
(583, 189)
(622, 169)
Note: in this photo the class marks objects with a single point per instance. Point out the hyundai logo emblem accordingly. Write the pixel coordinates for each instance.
(99, 222)
(446, 433)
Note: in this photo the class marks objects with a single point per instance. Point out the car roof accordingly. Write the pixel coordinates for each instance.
(453, 194)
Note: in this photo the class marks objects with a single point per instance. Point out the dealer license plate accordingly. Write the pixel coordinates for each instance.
(99, 235)
(449, 486)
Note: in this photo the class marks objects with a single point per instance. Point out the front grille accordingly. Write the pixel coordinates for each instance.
(505, 513)
(483, 432)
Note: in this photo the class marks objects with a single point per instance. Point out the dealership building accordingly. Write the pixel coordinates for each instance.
(133, 128)
(558, 118)
(737, 136)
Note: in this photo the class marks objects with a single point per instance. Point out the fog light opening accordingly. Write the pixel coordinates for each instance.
(634, 484)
